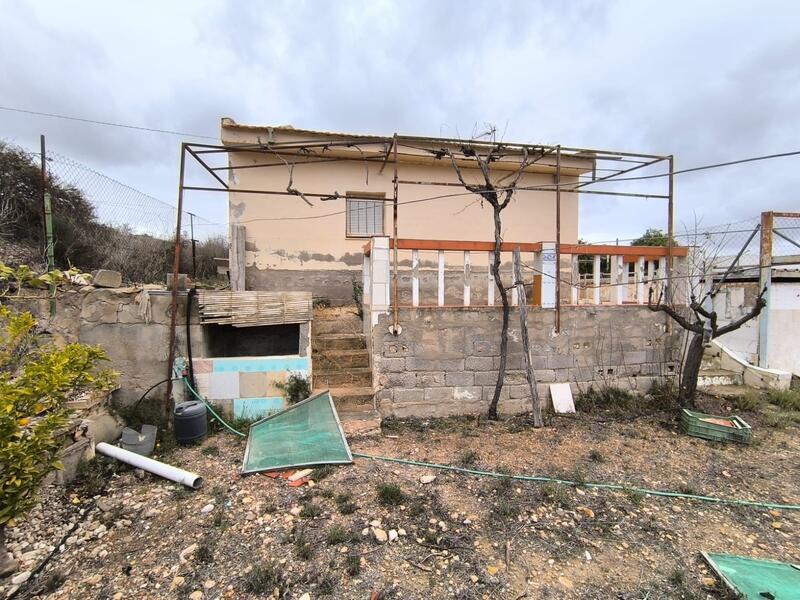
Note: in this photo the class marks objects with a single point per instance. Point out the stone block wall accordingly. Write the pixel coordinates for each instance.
(445, 360)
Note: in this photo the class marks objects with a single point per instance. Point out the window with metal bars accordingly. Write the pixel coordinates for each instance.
(364, 217)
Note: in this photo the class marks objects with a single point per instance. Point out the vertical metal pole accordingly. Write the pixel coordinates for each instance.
(395, 316)
(175, 269)
(47, 213)
(558, 239)
(670, 228)
(194, 248)
(765, 281)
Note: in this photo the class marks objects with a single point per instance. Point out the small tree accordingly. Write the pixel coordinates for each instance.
(498, 194)
(35, 382)
(699, 319)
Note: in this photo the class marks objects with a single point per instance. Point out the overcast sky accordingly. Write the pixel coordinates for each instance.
(705, 81)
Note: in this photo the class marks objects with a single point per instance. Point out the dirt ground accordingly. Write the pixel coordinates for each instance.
(459, 536)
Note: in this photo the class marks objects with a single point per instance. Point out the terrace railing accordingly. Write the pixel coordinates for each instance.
(447, 273)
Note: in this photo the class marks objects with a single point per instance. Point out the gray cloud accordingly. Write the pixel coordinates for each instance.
(706, 81)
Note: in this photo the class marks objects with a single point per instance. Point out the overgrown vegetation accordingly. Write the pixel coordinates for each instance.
(35, 383)
(619, 401)
(296, 388)
(263, 578)
(81, 239)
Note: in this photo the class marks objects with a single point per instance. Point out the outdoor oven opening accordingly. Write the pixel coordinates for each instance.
(226, 341)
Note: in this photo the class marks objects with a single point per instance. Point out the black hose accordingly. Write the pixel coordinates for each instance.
(189, 297)
(152, 387)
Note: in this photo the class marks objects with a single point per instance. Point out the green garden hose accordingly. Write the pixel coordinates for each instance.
(539, 478)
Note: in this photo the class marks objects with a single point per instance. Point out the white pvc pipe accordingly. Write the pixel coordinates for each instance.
(151, 466)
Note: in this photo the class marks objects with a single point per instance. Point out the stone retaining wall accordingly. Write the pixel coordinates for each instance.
(445, 360)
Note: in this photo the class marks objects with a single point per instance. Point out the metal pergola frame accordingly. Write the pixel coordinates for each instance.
(321, 147)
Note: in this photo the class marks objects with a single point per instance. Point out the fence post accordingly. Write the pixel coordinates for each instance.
(640, 280)
(620, 279)
(47, 213)
(380, 276)
(765, 281)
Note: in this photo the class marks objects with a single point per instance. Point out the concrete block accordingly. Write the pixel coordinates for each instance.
(545, 375)
(431, 379)
(414, 363)
(439, 394)
(479, 363)
(488, 393)
(404, 380)
(384, 394)
(558, 361)
(485, 377)
(460, 378)
(638, 356)
(390, 365)
(486, 347)
(467, 393)
(519, 391)
(107, 279)
(396, 349)
(409, 395)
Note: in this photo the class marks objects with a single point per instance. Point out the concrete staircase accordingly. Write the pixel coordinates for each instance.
(721, 368)
(341, 365)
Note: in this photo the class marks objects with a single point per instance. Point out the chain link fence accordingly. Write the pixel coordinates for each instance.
(99, 222)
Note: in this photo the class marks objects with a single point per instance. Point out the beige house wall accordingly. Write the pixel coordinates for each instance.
(284, 233)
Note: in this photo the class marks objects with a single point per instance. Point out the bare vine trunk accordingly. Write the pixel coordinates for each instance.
(691, 370)
(501, 372)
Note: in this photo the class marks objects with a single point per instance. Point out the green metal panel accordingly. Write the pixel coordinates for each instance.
(710, 427)
(756, 579)
(305, 434)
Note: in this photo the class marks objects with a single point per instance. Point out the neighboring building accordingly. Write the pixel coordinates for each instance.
(738, 296)
(293, 246)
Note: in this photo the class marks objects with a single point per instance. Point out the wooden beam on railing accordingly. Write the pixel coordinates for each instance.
(461, 245)
(626, 251)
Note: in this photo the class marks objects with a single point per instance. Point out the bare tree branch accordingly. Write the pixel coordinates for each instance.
(660, 307)
(734, 325)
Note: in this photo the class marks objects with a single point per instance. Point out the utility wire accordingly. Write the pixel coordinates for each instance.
(107, 123)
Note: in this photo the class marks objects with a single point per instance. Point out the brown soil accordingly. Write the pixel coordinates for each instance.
(466, 536)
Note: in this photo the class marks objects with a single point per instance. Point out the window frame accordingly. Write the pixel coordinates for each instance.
(379, 197)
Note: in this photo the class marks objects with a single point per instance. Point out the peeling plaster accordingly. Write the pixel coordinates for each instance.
(237, 209)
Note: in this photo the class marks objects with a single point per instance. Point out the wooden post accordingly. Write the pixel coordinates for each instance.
(415, 278)
(765, 281)
(466, 277)
(526, 347)
(441, 278)
(490, 281)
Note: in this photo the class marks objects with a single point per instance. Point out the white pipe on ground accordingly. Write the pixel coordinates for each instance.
(151, 466)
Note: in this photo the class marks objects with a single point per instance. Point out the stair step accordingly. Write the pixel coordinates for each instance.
(355, 377)
(338, 341)
(715, 377)
(340, 325)
(340, 359)
(346, 397)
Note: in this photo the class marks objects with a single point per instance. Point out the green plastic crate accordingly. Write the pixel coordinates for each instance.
(696, 424)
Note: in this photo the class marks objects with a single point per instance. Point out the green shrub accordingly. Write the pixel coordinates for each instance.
(751, 401)
(35, 383)
(296, 388)
(337, 535)
(263, 579)
(786, 399)
(390, 494)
